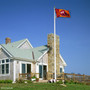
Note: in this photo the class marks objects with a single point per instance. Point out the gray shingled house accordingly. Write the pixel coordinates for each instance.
(21, 57)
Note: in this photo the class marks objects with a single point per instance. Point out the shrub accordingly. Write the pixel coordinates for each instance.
(28, 81)
(5, 81)
(37, 79)
(59, 82)
(66, 82)
(33, 77)
(19, 81)
(72, 82)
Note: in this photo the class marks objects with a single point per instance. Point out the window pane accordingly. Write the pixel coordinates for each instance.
(3, 69)
(7, 68)
(7, 60)
(23, 68)
(2, 66)
(3, 61)
(40, 71)
(60, 70)
(0, 69)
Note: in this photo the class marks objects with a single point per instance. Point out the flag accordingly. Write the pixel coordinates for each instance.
(62, 13)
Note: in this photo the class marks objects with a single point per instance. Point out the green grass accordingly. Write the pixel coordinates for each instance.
(43, 86)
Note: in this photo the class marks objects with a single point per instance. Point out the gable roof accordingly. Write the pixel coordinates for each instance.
(24, 53)
(64, 63)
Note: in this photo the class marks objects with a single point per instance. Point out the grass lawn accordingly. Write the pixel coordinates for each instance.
(42, 86)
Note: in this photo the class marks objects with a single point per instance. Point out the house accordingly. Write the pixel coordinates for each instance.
(21, 57)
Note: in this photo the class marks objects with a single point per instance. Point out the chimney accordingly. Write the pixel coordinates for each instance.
(51, 54)
(7, 40)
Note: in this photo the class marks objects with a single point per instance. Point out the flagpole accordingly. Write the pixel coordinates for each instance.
(54, 43)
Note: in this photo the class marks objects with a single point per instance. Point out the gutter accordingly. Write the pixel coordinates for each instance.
(23, 59)
(6, 51)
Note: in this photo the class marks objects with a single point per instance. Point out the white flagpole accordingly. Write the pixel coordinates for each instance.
(54, 43)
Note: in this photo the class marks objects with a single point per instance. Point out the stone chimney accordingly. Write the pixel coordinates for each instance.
(51, 54)
(7, 40)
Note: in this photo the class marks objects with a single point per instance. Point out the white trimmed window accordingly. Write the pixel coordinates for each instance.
(4, 66)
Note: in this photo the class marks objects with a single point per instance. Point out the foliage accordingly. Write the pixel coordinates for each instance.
(45, 86)
(33, 77)
(59, 82)
(37, 79)
(5, 81)
(20, 81)
(28, 81)
(74, 82)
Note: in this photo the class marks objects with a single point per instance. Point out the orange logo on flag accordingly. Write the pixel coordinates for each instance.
(62, 13)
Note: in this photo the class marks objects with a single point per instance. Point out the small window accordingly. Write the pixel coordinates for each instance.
(7, 60)
(3, 61)
(23, 68)
(40, 71)
(7, 68)
(60, 70)
(3, 69)
(4, 66)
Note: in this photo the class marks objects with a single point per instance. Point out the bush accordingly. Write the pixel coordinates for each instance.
(66, 82)
(28, 81)
(33, 77)
(5, 81)
(69, 82)
(72, 82)
(59, 82)
(19, 81)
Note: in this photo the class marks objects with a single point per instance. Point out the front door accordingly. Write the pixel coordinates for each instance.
(28, 68)
(43, 73)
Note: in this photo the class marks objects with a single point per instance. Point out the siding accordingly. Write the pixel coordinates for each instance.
(45, 59)
(3, 54)
(25, 46)
(10, 76)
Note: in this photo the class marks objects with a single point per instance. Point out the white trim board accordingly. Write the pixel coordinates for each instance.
(26, 40)
(6, 51)
(63, 60)
(42, 55)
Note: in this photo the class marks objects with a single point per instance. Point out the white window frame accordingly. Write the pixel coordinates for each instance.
(5, 67)
(24, 62)
(62, 68)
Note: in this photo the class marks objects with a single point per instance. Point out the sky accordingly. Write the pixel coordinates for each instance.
(34, 19)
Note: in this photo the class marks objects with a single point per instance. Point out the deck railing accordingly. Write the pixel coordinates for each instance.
(28, 76)
(69, 76)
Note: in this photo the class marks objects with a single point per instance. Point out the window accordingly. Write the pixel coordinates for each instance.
(7, 68)
(4, 66)
(7, 60)
(40, 71)
(60, 70)
(23, 68)
(3, 61)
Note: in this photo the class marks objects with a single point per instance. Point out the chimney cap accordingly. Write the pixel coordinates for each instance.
(7, 40)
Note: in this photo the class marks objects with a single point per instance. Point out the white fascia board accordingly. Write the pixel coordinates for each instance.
(6, 51)
(21, 43)
(24, 42)
(64, 63)
(0, 46)
(42, 55)
(29, 43)
(21, 59)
